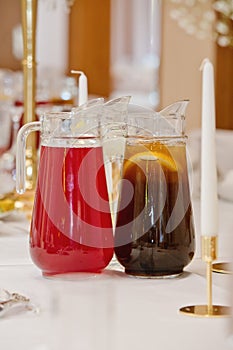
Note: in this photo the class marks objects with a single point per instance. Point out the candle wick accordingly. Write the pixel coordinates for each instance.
(76, 72)
(206, 60)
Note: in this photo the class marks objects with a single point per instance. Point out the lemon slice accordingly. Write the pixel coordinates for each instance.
(164, 160)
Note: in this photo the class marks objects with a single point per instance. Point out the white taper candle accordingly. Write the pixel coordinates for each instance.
(209, 196)
(82, 86)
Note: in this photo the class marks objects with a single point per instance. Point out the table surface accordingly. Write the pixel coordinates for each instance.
(112, 310)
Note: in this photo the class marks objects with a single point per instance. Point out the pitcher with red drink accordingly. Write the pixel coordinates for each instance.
(71, 228)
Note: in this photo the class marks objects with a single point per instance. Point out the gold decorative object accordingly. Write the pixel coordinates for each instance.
(29, 19)
(209, 249)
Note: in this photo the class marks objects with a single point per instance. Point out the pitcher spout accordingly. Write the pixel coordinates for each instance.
(177, 109)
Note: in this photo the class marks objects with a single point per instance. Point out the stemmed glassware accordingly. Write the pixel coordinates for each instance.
(7, 160)
(10, 116)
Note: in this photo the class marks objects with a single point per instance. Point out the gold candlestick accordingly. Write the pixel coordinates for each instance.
(209, 249)
(29, 20)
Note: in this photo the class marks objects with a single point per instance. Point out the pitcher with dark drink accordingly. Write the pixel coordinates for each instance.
(154, 234)
(71, 228)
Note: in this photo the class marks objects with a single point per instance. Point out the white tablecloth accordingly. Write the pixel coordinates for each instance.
(112, 311)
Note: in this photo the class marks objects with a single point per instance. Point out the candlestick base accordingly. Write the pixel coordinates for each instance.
(225, 268)
(209, 253)
(205, 311)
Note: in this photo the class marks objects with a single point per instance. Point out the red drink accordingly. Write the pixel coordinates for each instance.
(71, 228)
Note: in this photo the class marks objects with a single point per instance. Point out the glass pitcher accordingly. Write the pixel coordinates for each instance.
(154, 235)
(71, 228)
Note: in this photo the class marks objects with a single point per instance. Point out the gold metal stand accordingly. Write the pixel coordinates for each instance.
(25, 201)
(29, 20)
(209, 249)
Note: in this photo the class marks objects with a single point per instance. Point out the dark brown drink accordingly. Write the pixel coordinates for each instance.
(154, 229)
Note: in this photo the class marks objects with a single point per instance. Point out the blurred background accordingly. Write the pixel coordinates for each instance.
(150, 49)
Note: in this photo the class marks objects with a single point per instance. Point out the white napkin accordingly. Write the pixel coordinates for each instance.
(14, 224)
(12, 228)
(225, 187)
(7, 183)
(224, 146)
(14, 237)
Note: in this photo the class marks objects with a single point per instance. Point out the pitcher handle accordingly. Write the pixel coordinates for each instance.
(24, 131)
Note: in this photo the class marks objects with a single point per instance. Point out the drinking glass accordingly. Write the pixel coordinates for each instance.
(5, 120)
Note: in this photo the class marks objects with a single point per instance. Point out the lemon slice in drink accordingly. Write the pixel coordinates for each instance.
(164, 160)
